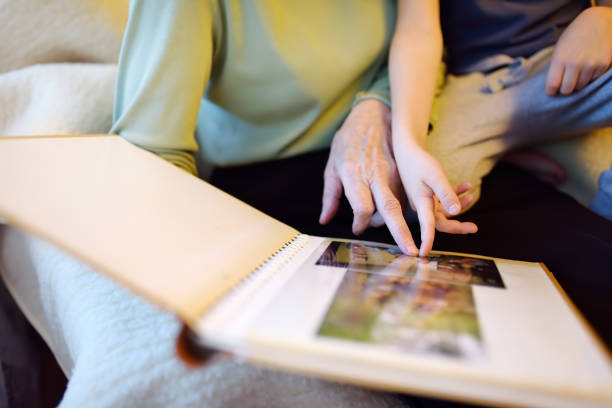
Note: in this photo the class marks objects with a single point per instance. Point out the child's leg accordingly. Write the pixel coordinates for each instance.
(584, 159)
(479, 117)
(602, 204)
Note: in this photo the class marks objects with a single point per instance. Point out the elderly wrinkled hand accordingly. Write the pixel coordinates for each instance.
(363, 165)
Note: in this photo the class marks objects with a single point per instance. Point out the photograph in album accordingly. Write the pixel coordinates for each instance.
(387, 259)
(416, 316)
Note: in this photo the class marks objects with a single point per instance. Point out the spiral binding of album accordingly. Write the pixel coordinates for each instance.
(251, 285)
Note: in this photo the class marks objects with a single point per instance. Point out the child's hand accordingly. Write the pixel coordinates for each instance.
(431, 195)
(583, 53)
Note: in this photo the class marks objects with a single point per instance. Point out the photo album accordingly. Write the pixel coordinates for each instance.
(458, 326)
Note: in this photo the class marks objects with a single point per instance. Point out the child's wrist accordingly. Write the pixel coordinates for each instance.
(406, 143)
(408, 136)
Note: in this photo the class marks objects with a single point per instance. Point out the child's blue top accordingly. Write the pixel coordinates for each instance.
(476, 29)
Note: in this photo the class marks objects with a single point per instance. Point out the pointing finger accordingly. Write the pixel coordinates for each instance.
(390, 209)
(425, 212)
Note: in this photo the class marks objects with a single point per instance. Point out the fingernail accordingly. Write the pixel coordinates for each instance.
(454, 209)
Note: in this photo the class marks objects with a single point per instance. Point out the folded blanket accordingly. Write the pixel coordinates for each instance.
(57, 99)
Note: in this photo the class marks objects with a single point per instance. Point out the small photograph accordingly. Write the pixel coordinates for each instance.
(427, 317)
(345, 254)
(389, 260)
(476, 271)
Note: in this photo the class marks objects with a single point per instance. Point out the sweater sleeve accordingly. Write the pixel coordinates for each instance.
(379, 89)
(164, 66)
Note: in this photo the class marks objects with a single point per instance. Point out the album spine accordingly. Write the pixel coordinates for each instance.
(191, 347)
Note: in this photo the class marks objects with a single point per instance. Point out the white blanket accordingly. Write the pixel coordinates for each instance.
(115, 349)
(47, 31)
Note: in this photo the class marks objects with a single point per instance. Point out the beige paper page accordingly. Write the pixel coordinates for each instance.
(167, 235)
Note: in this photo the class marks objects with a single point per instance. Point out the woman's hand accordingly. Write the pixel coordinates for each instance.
(363, 164)
(583, 52)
